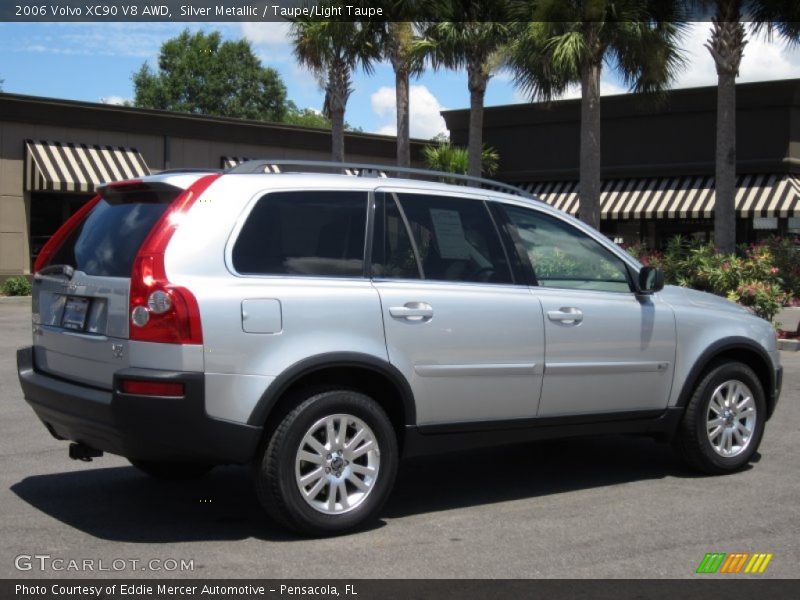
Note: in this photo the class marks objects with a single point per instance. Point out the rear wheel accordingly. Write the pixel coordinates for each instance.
(174, 471)
(330, 464)
(724, 420)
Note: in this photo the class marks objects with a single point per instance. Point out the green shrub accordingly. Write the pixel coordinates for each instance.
(443, 156)
(17, 286)
(751, 279)
(786, 258)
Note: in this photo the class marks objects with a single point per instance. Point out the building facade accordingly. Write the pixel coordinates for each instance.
(53, 153)
(658, 159)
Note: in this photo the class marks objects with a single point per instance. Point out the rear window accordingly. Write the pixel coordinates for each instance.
(106, 243)
(304, 233)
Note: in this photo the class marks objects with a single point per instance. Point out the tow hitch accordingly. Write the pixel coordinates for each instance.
(79, 451)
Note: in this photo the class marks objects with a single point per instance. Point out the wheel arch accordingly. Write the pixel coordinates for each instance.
(739, 349)
(370, 374)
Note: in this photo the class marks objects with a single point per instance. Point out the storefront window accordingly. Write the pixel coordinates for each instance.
(48, 212)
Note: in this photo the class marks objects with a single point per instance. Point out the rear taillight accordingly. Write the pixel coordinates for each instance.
(159, 311)
(54, 243)
(142, 387)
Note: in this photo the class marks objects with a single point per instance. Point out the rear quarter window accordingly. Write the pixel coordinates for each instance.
(318, 233)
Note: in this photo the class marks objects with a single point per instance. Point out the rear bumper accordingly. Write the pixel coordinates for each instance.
(134, 426)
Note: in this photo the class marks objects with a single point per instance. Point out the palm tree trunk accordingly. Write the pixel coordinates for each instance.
(726, 47)
(337, 134)
(477, 90)
(336, 95)
(590, 146)
(724, 208)
(403, 126)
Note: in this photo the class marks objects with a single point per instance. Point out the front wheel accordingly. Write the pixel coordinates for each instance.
(329, 465)
(724, 420)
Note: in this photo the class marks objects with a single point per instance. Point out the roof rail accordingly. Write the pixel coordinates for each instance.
(187, 170)
(371, 170)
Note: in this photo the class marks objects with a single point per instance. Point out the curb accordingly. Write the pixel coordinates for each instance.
(14, 299)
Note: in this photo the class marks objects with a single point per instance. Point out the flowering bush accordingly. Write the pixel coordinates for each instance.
(786, 258)
(765, 298)
(752, 278)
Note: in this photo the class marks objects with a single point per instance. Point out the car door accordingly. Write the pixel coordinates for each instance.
(467, 337)
(608, 350)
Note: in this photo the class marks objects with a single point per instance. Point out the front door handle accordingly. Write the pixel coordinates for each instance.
(412, 311)
(567, 315)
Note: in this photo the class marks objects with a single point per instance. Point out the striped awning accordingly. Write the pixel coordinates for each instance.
(757, 195)
(366, 173)
(228, 162)
(68, 167)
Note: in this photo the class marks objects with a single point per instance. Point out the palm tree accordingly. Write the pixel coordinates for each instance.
(333, 50)
(443, 156)
(398, 46)
(567, 42)
(466, 43)
(726, 45)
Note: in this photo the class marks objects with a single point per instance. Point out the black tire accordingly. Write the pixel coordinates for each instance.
(276, 484)
(692, 440)
(171, 471)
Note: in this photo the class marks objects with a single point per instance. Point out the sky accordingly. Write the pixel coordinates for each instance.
(94, 62)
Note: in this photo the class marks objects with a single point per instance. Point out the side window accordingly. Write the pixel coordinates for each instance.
(393, 255)
(453, 239)
(565, 257)
(304, 233)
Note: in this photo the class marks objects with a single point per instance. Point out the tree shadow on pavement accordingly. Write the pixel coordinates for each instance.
(121, 504)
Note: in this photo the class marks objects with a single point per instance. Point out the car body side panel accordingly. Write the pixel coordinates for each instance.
(318, 315)
(233, 396)
(703, 321)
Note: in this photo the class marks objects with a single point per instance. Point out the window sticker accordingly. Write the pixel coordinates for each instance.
(449, 234)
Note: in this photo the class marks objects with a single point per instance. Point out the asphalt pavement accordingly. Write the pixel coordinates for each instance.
(593, 507)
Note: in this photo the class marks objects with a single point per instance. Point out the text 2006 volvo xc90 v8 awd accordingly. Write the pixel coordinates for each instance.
(320, 326)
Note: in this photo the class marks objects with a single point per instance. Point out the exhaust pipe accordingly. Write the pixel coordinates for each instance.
(80, 451)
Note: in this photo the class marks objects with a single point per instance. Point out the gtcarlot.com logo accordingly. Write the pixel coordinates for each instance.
(46, 562)
(736, 562)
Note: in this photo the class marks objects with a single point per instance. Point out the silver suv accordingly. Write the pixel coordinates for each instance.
(320, 326)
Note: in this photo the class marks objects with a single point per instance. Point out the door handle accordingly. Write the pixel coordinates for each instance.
(567, 315)
(412, 311)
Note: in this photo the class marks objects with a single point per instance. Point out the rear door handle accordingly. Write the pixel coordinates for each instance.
(567, 315)
(412, 311)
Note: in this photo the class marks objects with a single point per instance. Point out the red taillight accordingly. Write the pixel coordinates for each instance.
(54, 243)
(159, 311)
(151, 388)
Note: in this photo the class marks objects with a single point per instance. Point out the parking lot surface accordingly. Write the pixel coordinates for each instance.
(593, 507)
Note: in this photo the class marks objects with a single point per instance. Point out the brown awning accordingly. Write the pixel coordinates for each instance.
(757, 195)
(68, 167)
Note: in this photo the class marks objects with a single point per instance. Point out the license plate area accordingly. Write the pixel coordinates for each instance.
(75, 310)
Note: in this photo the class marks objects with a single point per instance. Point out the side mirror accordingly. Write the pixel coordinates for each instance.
(651, 279)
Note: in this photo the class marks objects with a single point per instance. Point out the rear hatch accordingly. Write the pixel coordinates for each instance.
(82, 286)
